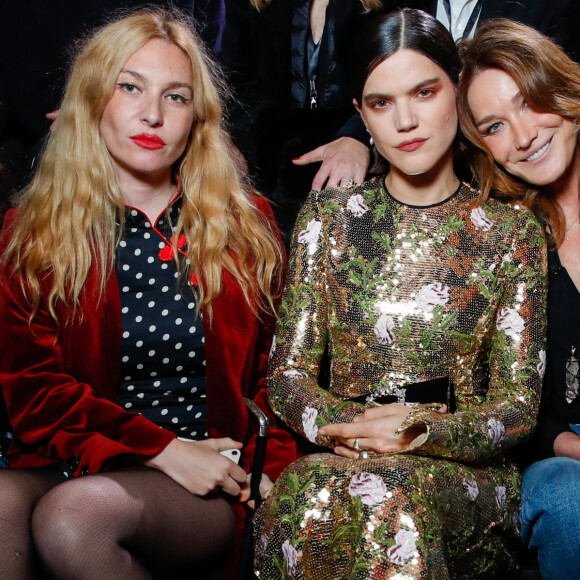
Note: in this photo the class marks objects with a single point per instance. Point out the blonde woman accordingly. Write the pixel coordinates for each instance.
(139, 281)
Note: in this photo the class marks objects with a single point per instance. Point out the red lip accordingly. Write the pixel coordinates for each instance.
(148, 141)
(411, 145)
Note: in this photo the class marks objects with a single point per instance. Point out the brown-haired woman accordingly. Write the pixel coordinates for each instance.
(139, 279)
(519, 103)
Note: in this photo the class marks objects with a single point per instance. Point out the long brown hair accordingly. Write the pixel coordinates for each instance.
(66, 221)
(368, 5)
(549, 81)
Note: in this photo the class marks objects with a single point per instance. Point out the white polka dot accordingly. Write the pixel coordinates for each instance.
(176, 275)
(127, 378)
(125, 358)
(166, 337)
(125, 267)
(157, 383)
(146, 235)
(125, 288)
(164, 312)
(138, 318)
(164, 411)
(139, 343)
(161, 245)
(151, 304)
(165, 360)
(151, 281)
(181, 399)
(128, 405)
(126, 334)
(155, 403)
(124, 310)
(167, 393)
(153, 374)
(139, 275)
(165, 289)
(178, 368)
(183, 428)
(139, 366)
(140, 395)
(130, 387)
(193, 390)
(178, 321)
(139, 295)
(150, 260)
(178, 346)
(197, 415)
(183, 380)
(175, 420)
(177, 297)
(192, 330)
(189, 407)
(123, 244)
(191, 305)
(193, 433)
(151, 353)
(138, 251)
(152, 328)
(133, 212)
(164, 266)
(191, 354)
(147, 225)
(203, 363)
(203, 339)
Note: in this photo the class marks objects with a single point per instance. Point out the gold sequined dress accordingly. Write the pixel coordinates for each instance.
(396, 294)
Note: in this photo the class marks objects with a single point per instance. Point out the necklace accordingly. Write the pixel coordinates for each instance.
(574, 222)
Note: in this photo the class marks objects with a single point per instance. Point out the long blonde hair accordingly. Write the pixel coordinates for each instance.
(549, 81)
(368, 5)
(66, 220)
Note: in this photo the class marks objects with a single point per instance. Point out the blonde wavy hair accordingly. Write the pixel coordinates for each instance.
(368, 5)
(549, 81)
(66, 219)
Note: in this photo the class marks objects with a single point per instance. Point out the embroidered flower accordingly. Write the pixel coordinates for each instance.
(356, 204)
(291, 557)
(542, 363)
(166, 253)
(480, 220)
(311, 234)
(500, 496)
(471, 488)
(432, 295)
(496, 431)
(294, 374)
(404, 547)
(262, 544)
(309, 424)
(510, 321)
(370, 487)
(272, 347)
(384, 329)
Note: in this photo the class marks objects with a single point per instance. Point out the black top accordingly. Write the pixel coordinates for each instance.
(556, 414)
(163, 364)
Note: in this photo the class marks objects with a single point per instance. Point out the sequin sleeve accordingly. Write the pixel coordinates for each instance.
(485, 426)
(302, 333)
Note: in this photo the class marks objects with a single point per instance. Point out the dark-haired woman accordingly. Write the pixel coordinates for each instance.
(430, 307)
(519, 103)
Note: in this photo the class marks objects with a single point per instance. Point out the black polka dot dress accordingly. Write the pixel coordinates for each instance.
(163, 355)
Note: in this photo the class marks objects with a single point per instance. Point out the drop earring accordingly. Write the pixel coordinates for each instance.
(371, 140)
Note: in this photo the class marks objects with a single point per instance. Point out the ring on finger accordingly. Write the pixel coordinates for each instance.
(355, 445)
(346, 181)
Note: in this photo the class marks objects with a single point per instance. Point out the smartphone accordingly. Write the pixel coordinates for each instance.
(233, 454)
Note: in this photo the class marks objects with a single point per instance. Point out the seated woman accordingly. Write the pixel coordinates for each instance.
(519, 103)
(430, 306)
(139, 279)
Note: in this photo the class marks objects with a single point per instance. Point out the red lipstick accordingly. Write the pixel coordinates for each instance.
(411, 145)
(148, 141)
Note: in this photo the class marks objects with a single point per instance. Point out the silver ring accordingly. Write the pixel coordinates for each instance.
(355, 445)
(364, 454)
(347, 181)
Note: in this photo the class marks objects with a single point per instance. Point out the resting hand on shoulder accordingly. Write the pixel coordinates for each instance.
(376, 431)
(199, 467)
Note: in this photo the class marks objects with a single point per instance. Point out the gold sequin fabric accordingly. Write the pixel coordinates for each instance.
(394, 294)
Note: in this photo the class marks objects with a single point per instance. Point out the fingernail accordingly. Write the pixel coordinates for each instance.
(322, 432)
(296, 158)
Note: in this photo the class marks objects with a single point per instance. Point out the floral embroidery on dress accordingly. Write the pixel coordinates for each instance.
(471, 488)
(384, 329)
(311, 233)
(509, 320)
(356, 205)
(480, 220)
(371, 488)
(432, 295)
(542, 364)
(496, 431)
(404, 548)
(309, 424)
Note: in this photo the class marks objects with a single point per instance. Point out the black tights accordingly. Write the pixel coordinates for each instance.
(133, 524)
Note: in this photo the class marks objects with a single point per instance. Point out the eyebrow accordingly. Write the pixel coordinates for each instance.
(493, 116)
(418, 86)
(172, 85)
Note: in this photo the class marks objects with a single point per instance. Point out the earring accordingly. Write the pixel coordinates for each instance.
(371, 140)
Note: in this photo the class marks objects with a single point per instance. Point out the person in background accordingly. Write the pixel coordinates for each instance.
(139, 283)
(519, 104)
(430, 306)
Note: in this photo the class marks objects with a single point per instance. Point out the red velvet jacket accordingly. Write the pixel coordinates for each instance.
(60, 385)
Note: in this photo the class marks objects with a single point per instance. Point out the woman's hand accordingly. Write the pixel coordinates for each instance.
(199, 467)
(266, 485)
(375, 430)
